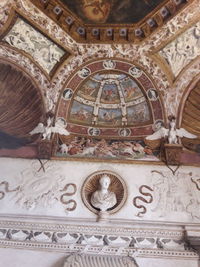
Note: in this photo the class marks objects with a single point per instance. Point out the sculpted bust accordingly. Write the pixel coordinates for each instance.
(103, 199)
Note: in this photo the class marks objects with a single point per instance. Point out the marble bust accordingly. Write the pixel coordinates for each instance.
(103, 199)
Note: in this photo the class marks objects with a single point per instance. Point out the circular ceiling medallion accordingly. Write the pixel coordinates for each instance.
(94, 131)
(157, 125)
(61, 121)
(152, 94)
(109, 64)
(84, 73)
(117, 186)
(67, 94)
(124, 132)
(135, 72)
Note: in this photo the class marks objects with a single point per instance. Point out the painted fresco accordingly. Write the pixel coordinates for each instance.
(81, 113)
(110, 94)
(89, 90)
(111, 117)
(112, 11)
(80, 147)
(138, 113)
(130, 89)
(110, 99)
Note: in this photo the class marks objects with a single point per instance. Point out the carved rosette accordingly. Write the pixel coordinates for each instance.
(117, 186)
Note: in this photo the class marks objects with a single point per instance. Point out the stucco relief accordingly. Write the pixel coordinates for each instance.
(110, 240)
(24, 37)
(170, 194)
(41, 185)
(78, 260)
(5, 7)
(182, 50)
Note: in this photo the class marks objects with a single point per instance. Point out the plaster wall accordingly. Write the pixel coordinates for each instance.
(30, 198)
(35, 191)
(22, 258)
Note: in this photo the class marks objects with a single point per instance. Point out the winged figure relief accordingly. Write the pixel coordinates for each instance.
(172, 134)
(47, 130)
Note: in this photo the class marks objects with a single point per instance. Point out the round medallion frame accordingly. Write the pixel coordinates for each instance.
(117, 186)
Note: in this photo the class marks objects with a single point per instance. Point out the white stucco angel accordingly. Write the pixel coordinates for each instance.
(47, 130)
(172, 134)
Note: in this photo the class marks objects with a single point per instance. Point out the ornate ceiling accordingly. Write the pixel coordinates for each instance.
(110, 20)
(114, 86)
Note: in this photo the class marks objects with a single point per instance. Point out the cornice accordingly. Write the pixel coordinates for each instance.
(96, 239)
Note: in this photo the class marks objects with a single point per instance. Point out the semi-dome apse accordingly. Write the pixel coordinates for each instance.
(110, 100)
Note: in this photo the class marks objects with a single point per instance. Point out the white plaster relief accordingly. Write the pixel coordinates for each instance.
(5, 6)
(49, 26)
(80, 260)
(171, 198)
(67, 238)
(24, 37)
(170, 194)
(175, 193)
(182, 50)
(41, 185)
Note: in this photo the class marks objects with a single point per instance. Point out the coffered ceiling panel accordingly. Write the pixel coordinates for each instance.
(110, 20)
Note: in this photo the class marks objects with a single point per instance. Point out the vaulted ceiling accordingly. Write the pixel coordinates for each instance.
(110, 20)
(107, 69)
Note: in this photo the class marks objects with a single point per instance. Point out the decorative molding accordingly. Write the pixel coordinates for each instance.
(78, 260)
(24, 36)
(101, 240)
(181, 51)
(109, 33)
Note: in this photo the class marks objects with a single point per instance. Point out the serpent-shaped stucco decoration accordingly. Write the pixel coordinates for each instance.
(150, 200)
(71, 193)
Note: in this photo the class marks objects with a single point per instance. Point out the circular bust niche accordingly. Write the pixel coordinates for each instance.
(117, 186)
